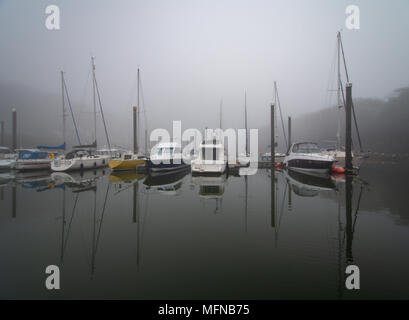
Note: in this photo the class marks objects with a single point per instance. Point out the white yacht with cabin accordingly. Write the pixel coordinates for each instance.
(307, 157)
(211, 159)
(167, 157)
(7, 159)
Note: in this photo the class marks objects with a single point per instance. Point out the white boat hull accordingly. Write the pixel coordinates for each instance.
(60, 165)
(208, 168)
(40, 164)
(7, 164)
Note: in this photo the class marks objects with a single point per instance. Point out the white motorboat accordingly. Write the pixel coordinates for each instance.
(211, 159)
(32, 159)
(7, 159)
(307, 157)
(339, 155)
(167, 156)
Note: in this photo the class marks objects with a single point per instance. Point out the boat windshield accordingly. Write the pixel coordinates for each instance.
(4, 150)
(165, 151)
(306, 148)
(32, 155)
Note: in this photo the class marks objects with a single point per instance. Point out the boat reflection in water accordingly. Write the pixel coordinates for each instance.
(78, 181)
(211, 188)
(6, 178)
(126, 177)
(168, 183)
(307, 184)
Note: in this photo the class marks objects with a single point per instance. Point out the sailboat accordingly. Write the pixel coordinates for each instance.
(83, 156)
(131, 160)
(338, 151)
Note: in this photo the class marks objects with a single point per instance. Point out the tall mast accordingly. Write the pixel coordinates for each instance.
(339, 91)
(278, 103)
(63, 107)
(137, 114)
(94, 100)
(220, 115)
(275, 118)
(245, 120)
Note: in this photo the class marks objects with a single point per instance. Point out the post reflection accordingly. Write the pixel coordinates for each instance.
(110, 210)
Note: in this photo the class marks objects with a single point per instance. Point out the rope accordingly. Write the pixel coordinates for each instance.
(72, 114)
(102, 114)
(353, 108)
(281, 116)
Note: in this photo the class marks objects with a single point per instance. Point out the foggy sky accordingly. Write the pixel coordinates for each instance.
(193, 53)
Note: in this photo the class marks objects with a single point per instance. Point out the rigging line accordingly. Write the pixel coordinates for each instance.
(282, 205)
(123, 189)
(281, 116)
(353, 107)
(356, 126)
(72, 217)
(343, 57)
(72, 113)
(102, 219)
(102, 114)
(357, 208)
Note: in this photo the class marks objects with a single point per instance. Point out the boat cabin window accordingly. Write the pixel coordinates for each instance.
(4, 150)
(306, 148)
(28, 155)
(127, 157)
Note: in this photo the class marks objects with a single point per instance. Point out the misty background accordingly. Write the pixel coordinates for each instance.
(192, 54)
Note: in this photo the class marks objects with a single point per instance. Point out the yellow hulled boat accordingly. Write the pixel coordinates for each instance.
(126, 162)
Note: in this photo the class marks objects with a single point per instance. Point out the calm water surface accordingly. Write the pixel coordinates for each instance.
(135, 236)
